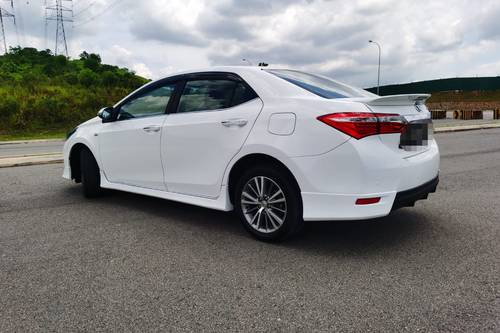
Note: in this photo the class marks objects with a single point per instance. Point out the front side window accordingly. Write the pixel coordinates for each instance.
(151, 103)
(215, 94)
(320, 85)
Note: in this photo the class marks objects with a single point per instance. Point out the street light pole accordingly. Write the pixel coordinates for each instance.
(379, 53)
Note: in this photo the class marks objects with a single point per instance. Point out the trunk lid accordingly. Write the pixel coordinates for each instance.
(419, 130)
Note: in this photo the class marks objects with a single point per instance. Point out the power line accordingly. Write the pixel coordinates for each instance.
(20, 26)
(114, 3)
(85, 9)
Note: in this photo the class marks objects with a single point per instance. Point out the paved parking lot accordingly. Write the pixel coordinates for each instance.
(132, 263)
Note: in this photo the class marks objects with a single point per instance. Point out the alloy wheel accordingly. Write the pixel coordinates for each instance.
(264, 204)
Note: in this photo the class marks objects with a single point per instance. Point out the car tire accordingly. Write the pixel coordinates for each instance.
(90, 174)
(271, 192)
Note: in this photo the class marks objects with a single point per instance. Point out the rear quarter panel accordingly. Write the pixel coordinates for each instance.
(310, 137)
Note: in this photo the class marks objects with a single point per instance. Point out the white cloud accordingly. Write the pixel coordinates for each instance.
(142, 70)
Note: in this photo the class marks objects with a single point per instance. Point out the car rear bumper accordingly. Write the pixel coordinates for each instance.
(334, 207)
(332, 183)
(409, 197)
(322, 207)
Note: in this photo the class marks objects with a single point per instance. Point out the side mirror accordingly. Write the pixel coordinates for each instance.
(106, 114)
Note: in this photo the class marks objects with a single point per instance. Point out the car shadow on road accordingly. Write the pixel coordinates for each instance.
(352, 237)
(176, 212)
(363, 237)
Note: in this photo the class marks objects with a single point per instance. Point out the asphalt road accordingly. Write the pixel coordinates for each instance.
(132, 263)
(32, 148)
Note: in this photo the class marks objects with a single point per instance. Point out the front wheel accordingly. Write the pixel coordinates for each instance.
(91, 177)
(268, 203)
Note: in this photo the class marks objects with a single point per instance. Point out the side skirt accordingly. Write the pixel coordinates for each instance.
(220, 203)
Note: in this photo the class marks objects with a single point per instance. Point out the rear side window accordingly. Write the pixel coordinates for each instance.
(242, 94)
(320, 85)
(216, 94)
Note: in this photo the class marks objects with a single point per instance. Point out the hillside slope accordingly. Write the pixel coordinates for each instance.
(42, 92)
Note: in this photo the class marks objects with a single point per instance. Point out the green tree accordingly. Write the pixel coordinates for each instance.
(91, 61)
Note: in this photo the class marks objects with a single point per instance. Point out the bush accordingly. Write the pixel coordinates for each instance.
(9, 108)
(87, 78)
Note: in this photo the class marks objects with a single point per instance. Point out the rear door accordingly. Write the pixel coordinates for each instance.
(212, 120)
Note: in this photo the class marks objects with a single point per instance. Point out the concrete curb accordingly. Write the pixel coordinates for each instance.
(450, 129)
(31, 155)
(9, 162)
(29, 141)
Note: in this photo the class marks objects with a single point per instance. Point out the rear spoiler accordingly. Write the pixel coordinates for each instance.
(398, 100)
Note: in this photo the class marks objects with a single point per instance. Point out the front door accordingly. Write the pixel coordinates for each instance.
(130, 146)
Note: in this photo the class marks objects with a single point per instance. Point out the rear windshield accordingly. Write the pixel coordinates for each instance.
(320, 85)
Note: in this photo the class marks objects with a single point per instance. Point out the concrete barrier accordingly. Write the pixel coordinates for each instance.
(438, 114)
(467, 115)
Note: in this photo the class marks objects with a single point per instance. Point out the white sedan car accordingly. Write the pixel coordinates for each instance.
(279, 147)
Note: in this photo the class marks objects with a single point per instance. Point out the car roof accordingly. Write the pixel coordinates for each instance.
(266, 85)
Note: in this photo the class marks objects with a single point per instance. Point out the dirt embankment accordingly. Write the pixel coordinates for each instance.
(465, 101)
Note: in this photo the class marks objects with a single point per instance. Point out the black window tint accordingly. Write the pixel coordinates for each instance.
(242, 94)
(206, 95)
(151, 103)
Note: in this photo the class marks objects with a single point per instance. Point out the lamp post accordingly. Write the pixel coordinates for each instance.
(379, 53)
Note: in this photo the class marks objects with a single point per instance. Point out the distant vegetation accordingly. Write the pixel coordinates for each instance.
(459, 84)
(43, 93)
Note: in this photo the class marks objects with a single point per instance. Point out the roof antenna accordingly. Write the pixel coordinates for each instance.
(263, 64)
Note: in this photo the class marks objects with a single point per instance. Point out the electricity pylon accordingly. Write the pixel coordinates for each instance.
(7, 14)
(56, 10)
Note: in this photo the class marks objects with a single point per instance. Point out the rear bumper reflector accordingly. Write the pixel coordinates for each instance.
(367, 201)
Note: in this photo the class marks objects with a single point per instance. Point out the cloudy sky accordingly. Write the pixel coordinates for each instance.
(420, 39)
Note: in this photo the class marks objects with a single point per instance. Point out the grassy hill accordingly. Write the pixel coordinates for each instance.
(46, 95)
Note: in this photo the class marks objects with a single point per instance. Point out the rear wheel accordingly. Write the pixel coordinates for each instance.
(91, 177)
(268, 203)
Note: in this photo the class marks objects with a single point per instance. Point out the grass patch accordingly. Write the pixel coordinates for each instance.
(33, 135)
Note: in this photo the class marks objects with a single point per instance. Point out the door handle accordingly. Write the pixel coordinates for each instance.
(150, 129)
(234, 122)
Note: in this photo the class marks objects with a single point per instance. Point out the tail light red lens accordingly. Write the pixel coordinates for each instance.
(363, 124)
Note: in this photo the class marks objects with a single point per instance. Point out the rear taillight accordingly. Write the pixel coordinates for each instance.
(363, 124)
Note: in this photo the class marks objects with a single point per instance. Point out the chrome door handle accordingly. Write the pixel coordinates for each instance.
(150, 129)
(234, 122)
